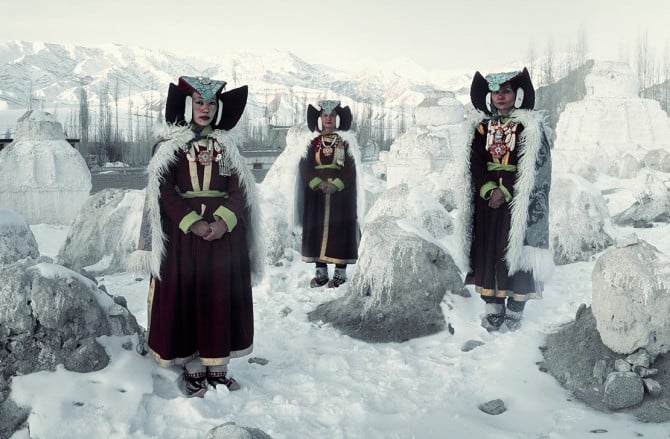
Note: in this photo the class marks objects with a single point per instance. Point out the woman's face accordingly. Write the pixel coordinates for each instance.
(328, 121)
(503, 99)
(204, 110)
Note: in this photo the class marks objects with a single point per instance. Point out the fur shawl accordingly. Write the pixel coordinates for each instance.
(173, 138)
(528, 240)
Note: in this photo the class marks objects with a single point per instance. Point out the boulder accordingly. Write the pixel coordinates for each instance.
(631, 299)
(16, 239)
(397, 289)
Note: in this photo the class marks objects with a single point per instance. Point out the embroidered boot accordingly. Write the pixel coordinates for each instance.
(195, 384)
(339, 277)
(320, 278)
(216, 378)
(513, 319)
(494, 316)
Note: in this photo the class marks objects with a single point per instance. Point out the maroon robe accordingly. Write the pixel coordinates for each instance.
(202, 304)
(330, 230)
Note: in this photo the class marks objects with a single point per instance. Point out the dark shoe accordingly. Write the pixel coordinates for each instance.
(318, 282)
(336, 282)
(494, 317)
(320, 277)
(195, 384)
(513, 320)
(220, 378)
(493, 322)
(339, 277)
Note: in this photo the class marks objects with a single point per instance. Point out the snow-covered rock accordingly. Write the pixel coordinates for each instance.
(42, 177)
(631, 299)
(104, 232)
(413, 204)
(608, 124)
(430, 144)
(51, 315)
(396, 290)
(651, 192)
(16, 239)
(579, 221)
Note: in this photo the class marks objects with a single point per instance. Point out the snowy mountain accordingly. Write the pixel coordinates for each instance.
(134, 80)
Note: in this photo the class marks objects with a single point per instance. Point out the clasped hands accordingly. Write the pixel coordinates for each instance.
(496, 199)
(327, 187)
(210, 231)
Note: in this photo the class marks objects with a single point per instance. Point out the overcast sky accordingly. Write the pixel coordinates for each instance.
(436, 34)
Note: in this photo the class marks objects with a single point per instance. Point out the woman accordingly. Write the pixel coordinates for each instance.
(203, 235)
(327, 195)
(505, 210)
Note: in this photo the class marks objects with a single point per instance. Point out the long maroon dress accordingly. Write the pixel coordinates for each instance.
(201, 302)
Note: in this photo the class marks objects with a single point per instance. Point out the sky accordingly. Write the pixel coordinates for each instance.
(438, 35)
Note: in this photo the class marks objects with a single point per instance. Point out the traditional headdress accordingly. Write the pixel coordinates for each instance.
(343, 114)
(230, 103)
(480, 91)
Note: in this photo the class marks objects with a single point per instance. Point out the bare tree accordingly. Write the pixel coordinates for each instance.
(532, 58)
(581, 46)
(83, 115)
(644, 61)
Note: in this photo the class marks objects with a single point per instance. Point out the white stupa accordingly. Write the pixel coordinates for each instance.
(612, 123)
(430, 144)
(42, 177)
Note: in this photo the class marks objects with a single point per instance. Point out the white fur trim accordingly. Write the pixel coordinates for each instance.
(165, 156)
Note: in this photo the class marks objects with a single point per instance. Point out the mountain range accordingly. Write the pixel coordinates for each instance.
(48, 76)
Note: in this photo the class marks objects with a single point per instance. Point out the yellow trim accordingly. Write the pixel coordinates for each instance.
(505, 191)
(331, 166)
(485, 190)
(227, 215)
(190, 219)
(326, 224)
(204, 194)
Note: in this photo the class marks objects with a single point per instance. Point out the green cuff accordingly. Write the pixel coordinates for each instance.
(186, 222)
(485, 191)
(508, 196)
(227, 215)
(339, 183)
(314, 183)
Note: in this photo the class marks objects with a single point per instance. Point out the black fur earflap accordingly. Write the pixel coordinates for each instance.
(344, 113)
(231, 107)
(479, 91)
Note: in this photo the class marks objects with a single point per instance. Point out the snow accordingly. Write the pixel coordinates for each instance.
(320, 383)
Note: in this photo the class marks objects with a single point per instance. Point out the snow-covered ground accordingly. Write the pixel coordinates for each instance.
(319, 383)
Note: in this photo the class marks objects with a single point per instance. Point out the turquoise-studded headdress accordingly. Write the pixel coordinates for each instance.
(230, 103)
(329, 105)
(520, 81)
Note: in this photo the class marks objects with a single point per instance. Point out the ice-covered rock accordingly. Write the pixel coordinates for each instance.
(652, 201)
(413, 204)
(16, 239)
(104, 232)
(631, 299)
(396, 290)
(50, 315)
(609, 124)
(579, 221)
(42, 177)
(430, 144)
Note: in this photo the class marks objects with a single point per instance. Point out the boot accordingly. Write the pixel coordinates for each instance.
(494, 316)
(216, 378)
(195, 384)
(513, 319)
(339, 277)
(321, 277)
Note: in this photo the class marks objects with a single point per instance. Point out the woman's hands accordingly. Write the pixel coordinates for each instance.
(496, 199)
(327, 187)
(209, 231)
